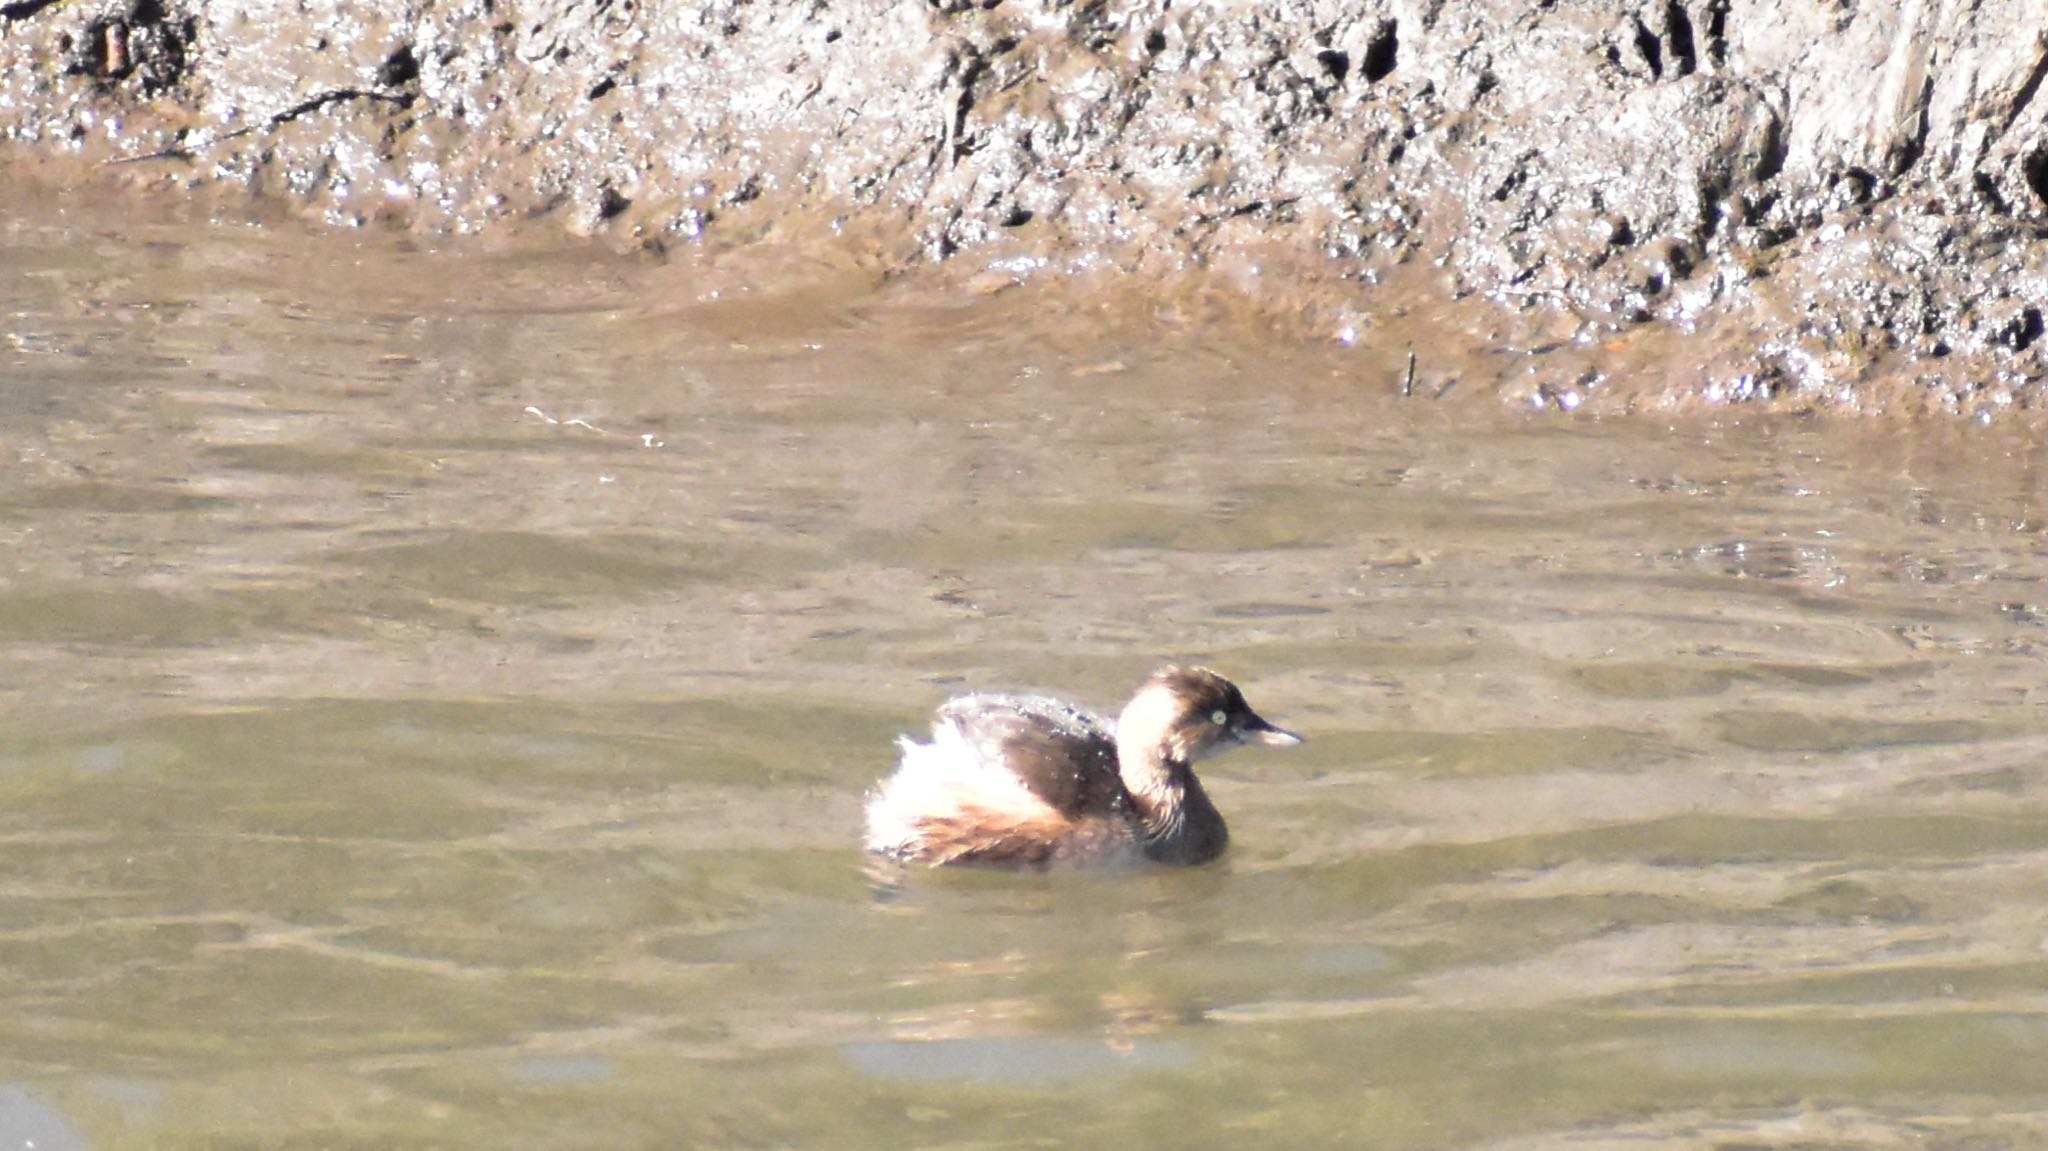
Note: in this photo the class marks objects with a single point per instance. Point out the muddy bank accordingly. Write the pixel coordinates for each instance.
(1803, 205)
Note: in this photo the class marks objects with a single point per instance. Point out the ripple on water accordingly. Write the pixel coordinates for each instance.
(1012, 1060)
(1805, 731)
(1741, 1056)
(562, 1069)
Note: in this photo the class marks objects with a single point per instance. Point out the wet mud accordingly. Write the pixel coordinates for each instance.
(1663, 204)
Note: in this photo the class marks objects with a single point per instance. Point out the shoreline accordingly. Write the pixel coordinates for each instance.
(1843, 211)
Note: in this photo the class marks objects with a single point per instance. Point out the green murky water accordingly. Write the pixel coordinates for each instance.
(437, 688)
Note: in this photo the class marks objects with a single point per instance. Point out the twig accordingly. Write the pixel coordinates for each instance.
(304, 107)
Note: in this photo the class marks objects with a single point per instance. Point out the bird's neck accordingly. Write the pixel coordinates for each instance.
(1176, 821)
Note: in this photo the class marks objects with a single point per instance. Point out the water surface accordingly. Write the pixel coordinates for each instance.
(437, 687)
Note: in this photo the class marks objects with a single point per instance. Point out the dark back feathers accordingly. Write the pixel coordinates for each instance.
(1065, 754)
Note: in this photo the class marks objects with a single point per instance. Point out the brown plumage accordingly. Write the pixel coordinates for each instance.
(1031, 781)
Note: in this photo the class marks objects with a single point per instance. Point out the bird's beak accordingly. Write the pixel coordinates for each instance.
(1259, 731)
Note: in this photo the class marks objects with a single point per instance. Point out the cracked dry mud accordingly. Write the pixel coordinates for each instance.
(1659, 204)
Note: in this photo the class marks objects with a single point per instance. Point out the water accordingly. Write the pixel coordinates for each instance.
(437, 688)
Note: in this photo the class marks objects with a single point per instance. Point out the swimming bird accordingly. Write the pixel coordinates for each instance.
(1030, 781)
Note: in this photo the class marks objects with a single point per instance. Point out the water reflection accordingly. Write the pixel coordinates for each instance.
(382, 762)
(26, 1121)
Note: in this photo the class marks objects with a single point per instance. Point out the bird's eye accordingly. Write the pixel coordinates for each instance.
(1219, 718)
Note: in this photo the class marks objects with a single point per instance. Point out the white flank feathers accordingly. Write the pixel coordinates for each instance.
(940, 780)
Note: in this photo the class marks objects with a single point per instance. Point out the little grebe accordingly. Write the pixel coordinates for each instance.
(1028, 781)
